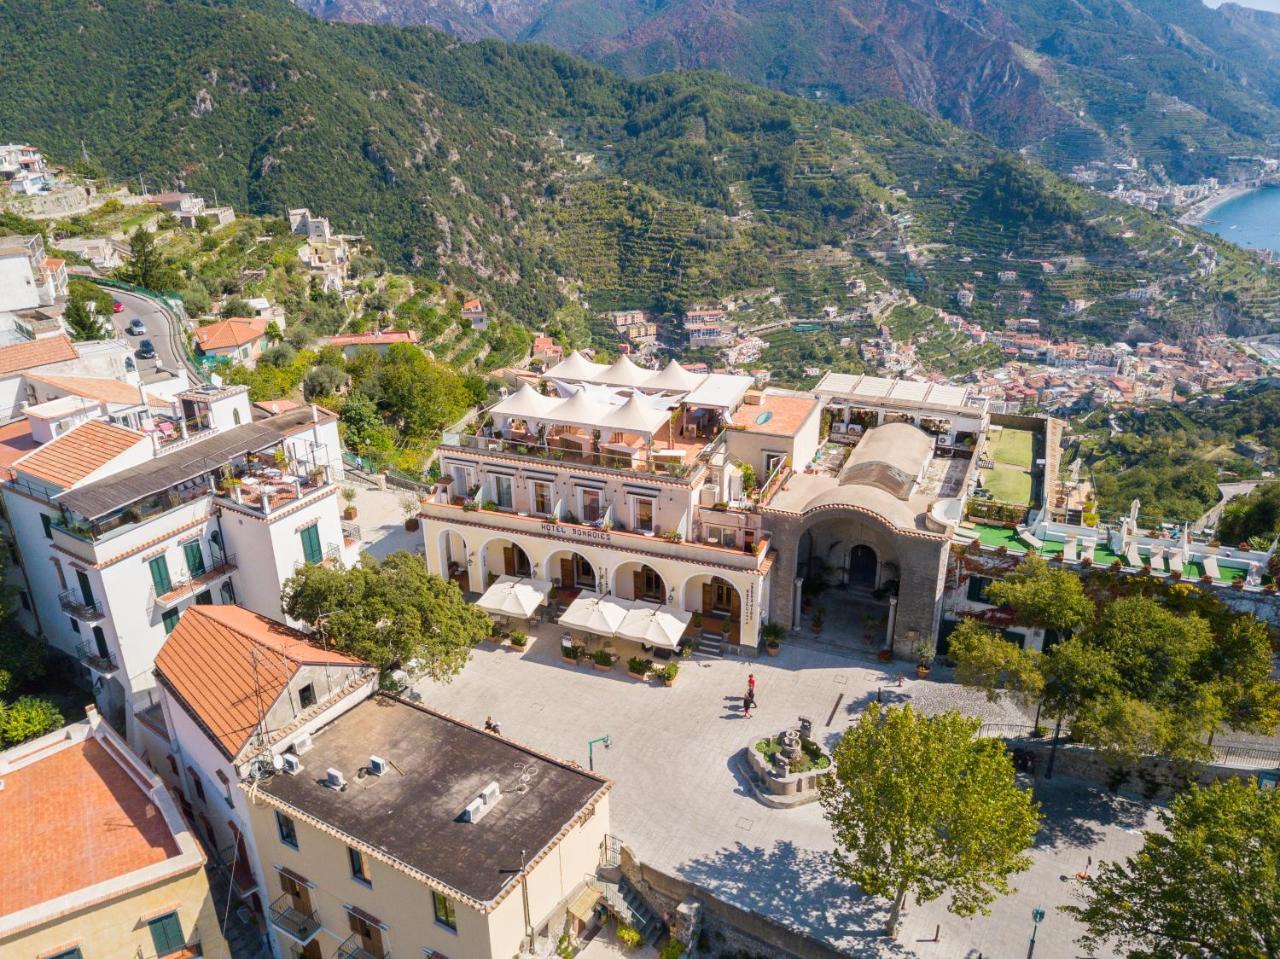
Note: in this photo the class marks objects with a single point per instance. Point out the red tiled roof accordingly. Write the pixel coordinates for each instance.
(15, 442)
(228, 665)
(71, 457)
(230, 333)
(74, 819)
(27, 356)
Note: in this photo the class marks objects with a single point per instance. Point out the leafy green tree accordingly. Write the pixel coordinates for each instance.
(416, 393)
(323, 381)
(390, 613)
(26, 718)
(145, 265)
(920, 806)
(82, 324)
(1043, 597)
(987, 660)
(363, 431)
(1207, 884)
(236, 307)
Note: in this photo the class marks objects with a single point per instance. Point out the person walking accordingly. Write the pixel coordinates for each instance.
(751, 683)
(747, 702)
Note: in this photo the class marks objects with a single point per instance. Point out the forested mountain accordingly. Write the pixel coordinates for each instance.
(1173, 81)
(534, 176)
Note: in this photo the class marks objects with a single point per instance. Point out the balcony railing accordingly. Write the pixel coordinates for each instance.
(299, 926)
(560, 452)
(89, 654)
(73, 603)
(353, 948)
(265, 489)
(188, 586)
(237, 868)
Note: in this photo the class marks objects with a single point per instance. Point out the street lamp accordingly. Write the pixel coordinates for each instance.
(1037, 917)
(591, 745)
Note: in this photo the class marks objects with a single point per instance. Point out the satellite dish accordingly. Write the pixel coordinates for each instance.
(277, 762)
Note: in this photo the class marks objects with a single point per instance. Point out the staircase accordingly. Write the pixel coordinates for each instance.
(710, 644)
(625, 903)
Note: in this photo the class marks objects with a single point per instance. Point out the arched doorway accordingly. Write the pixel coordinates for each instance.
(712, 596)
(570, 569)
(639, 581)
(502, 557)
(863, 566)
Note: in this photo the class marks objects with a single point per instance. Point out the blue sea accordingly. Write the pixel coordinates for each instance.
(1251, 220)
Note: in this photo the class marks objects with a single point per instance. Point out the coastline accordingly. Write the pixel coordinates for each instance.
(1196, 214)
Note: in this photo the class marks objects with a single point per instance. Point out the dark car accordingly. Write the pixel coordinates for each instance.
(146, 350)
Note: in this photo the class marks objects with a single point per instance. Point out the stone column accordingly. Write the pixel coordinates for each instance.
(893, 618)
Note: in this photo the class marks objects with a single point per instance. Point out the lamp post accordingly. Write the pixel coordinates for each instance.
(1037, 917)
(591, 745)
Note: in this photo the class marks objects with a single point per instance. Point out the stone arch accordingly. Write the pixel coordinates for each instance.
(863, 566)
(635, 579)
(724, 596)
(502, 555)
(839, 542)
(568, 567)
(452, 553)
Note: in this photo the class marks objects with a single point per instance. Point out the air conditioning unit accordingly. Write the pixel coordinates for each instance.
(377, 765)
(475, 809)
(490, 794)
(334, 779)
(302, 744)
(292, 764)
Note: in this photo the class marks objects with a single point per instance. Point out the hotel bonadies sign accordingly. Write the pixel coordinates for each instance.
(585, 533)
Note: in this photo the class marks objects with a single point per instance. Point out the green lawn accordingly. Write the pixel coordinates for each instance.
(1008, 484)
(1012, 447)
(998, 536)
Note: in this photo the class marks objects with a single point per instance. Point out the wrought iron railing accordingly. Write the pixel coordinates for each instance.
(299, 926)
(192, 583)
(353, 948)
(92, 657)
(73, 603)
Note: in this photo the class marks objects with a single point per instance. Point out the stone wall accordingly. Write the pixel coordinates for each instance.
(724, 929)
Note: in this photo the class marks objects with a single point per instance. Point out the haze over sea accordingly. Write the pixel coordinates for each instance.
(1250, 220)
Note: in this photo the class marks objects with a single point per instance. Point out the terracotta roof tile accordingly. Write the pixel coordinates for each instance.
(374, 339)
(71, 457)
(73, 819)
(98, 388)
(228, 665)
(27, 356)
(233, 332)
(15, 441)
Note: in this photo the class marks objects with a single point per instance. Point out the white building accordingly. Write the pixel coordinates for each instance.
(637, 485)
(28, 278)
(119, 528)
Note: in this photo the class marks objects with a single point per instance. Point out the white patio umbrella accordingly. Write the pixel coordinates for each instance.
(514, 596)
(654, 625)
(595, 613)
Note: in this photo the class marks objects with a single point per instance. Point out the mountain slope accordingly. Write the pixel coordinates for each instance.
(534, 177)
(1178, 83)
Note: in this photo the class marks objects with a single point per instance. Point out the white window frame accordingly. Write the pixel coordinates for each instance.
(583, 492)
(533, 497)
(716, 536)
(495, 480)
(635, 512)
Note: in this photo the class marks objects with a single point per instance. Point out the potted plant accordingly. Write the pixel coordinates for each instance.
(602, 660)
(1175, 574)
(410, 506)
(696, 621)
(638, 667)
(349, 497)
(727, 626)
(924, 653)
(519, 639)
(772, 633)
(669, 673)
(571, 654)
(1237, 584)
(1116, 566)
(1206, 579)
(819, 619)
(1086, 561)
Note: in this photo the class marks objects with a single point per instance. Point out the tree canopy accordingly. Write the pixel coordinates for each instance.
(1207, 884)
(919, 805)
(145, 265)
(391, 613)
(1044, 597)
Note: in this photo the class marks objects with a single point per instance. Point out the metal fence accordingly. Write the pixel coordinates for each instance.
(1233, 755)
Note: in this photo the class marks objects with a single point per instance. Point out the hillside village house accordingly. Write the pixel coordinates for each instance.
(326, 254)
(120, 529)
(236, 689)
(235, 340)
(102, 864)
(376, 340)
(473, 312)
(492, 851)
(24, 169)
(28, 277)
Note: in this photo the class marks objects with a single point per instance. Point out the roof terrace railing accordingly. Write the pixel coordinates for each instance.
(555, 450)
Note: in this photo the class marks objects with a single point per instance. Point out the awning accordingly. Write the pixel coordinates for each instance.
(654, 625)
(514, 596)
(583, 905)
(594, 613)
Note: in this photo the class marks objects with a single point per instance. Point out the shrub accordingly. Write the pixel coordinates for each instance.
(629, 938)
(572, 652)
(639, 665)
(772, 633)
(670, 672)
(602, 657)
(519, 638)
(672, 949)
(26, 718)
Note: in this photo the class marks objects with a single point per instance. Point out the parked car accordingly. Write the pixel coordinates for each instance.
(137, 327)
(117, 306)
(146, 350)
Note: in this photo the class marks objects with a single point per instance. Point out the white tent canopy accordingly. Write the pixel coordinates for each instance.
(624, 372)
(675, 378)
(525, 403)
(575, 366)
(654, 625)
(636, 416)
(595, 613)
(581, 410)
(514, 597)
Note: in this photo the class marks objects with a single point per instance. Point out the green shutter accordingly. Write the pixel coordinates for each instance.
(195, 558)
(311, 550)
(86, 588)
(160, 575)
(170, 620)
(47, 524)
(166, 934)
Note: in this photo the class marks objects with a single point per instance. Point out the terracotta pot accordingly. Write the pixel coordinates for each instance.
(668, 682)
(601, 667)
(349, 513)
(411, 524)
(773, 650)
(569, 660)
(638, 677)
(921, 670)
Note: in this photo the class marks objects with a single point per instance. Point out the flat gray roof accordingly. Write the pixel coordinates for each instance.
(413, 812)
(95, 500)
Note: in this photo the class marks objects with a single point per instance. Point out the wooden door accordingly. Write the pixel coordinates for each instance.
(637, 584)
(509, 560)
(567, 579)
(708, 599)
